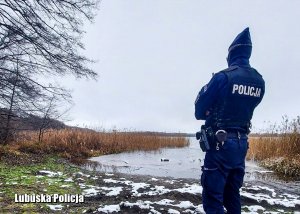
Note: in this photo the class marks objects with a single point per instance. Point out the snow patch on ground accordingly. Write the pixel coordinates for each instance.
(263, 171)
(154, 179)
(171, 211)
(258, 188)
(199, 209)
(137, 186)
(113, 191)
(170, 181)
(193, 189)
(68, 180)
(50, 173)
(141, 204)
(110, 180)
(110, 208)
(185, 204)
(254, 208)
(286, 202)
(65, 185)
(154, 211)
(55, 207)
(165, 202)
(290, 196)
(157, 190)
(90, 192)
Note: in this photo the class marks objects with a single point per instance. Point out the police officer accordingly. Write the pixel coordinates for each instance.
(226, 104)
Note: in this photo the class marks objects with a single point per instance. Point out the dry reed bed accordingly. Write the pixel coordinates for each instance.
(280, 153)
(78, 143)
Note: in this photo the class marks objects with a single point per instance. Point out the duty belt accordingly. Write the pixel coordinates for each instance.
(223, 135)
(236, 134)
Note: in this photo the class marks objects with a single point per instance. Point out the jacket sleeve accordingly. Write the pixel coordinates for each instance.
(208, 95)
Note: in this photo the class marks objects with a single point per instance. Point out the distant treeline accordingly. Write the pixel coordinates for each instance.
(29, 122)
(34, 123)
(166, 134)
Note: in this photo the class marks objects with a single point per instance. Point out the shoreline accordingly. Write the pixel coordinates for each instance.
(125, 193)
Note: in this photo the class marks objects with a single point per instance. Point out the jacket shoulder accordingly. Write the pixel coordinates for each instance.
(256, 71)
(231, 68)
(226, 71)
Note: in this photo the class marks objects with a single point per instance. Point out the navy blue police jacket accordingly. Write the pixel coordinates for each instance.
(230, 97)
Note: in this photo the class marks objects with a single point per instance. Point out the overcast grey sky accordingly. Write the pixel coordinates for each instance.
(154, 57)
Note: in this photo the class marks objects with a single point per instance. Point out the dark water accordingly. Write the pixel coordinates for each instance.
(171, 162)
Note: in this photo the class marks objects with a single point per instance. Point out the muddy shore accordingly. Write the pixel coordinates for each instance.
(146, 194)
(123, 193)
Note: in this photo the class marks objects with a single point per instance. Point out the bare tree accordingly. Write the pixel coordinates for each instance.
(21, 98)
(49, 116)
(40, 38)
(10, 100)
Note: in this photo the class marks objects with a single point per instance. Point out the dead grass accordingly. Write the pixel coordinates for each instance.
(286, 145)
(80, 144)
(281, 151)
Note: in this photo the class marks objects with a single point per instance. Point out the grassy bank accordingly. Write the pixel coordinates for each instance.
(279, 152)
(29, 179)
(48, 176)
(79, 144)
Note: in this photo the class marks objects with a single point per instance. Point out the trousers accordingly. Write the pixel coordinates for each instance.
(222, 176)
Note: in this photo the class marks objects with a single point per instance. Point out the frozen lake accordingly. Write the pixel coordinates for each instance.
(182, 163)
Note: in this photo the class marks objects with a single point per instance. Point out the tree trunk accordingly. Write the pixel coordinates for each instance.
(7, 136)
